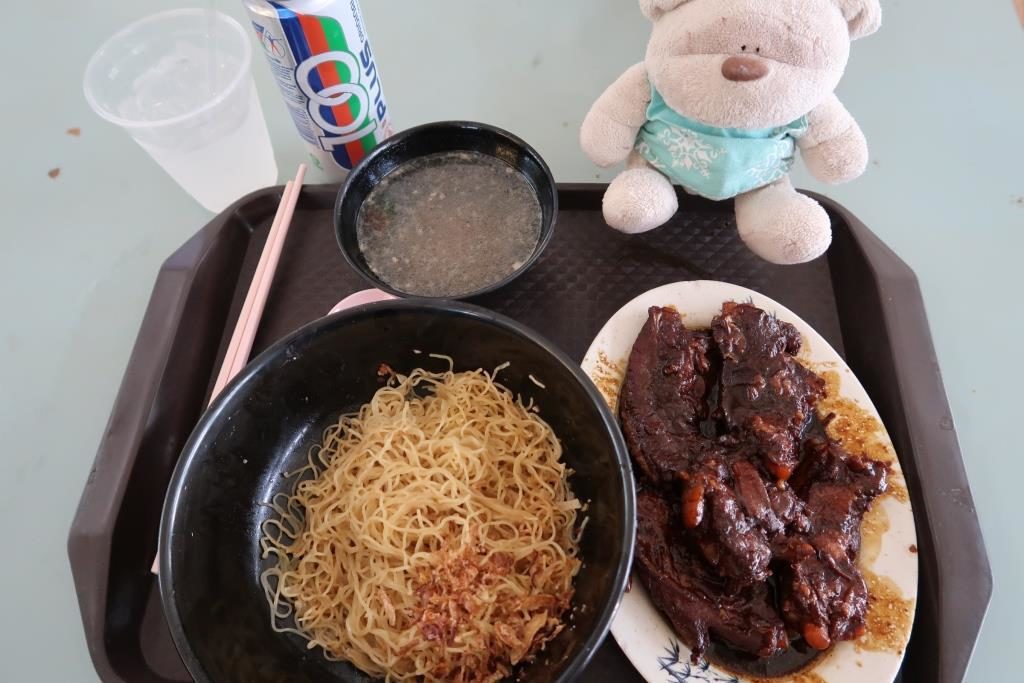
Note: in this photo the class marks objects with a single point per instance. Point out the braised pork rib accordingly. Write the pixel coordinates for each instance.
(749, 515)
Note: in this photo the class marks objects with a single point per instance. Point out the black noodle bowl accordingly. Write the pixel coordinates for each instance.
(263, 424)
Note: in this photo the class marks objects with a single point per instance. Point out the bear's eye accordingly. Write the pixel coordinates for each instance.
(744, 48)
(758, 50)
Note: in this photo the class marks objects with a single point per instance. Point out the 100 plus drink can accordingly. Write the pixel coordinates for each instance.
(320, 56)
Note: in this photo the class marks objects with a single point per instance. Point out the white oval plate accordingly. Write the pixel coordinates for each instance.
(645, 636)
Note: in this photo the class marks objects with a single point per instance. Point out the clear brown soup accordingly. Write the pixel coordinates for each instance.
(449, 224)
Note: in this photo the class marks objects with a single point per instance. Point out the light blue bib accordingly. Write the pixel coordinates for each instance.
(717, 163)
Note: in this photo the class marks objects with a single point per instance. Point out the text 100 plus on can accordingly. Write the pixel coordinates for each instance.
(320, 56)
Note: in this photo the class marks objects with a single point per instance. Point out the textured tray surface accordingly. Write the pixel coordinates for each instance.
(587, 272)
(861, 298)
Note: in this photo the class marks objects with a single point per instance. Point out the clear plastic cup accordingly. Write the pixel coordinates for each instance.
(179, 82)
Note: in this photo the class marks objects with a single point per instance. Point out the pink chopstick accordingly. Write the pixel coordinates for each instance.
(256, 298)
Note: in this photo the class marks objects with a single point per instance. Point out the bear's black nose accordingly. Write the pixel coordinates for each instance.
(744, 68)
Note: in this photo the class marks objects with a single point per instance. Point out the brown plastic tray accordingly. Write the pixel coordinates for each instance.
(862, 298)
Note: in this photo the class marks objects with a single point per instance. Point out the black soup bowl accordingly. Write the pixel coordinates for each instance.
(435, 138)
(265, 421)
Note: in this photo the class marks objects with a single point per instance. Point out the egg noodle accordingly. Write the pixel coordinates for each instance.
(431, 535)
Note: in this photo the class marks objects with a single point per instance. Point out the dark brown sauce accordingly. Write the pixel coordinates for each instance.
(889, 615)
(799, 656)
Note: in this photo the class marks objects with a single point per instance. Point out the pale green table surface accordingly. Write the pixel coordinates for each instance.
(939, 92)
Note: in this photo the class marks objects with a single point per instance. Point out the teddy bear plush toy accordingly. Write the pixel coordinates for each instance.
(726, 94)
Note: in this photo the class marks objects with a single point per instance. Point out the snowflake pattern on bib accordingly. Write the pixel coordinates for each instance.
(773, 166)
(689, 151)
(718, 163)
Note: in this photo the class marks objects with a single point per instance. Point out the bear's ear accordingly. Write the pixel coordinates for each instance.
(862, 16)
(653, 9)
